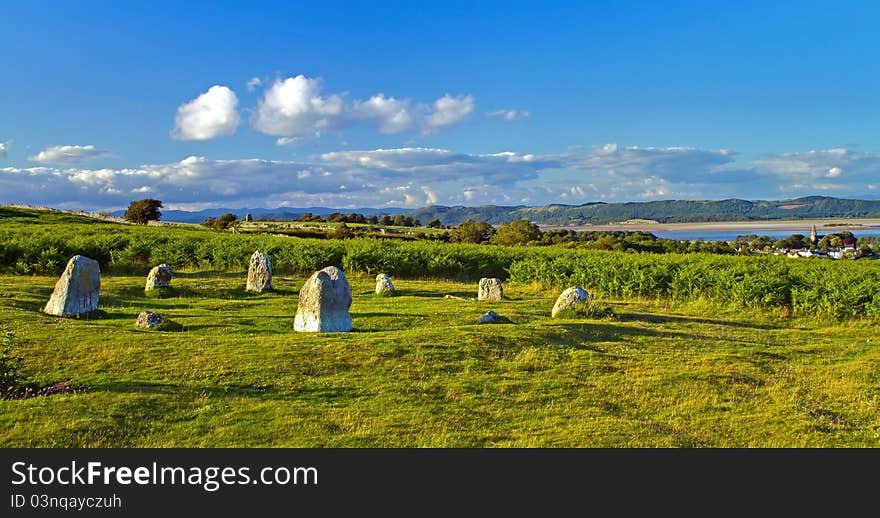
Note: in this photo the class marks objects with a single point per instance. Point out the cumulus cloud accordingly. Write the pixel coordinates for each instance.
(210, 115)
(254, 83)
(389, 114)
(296, 107)
(447, 111)
(508, 115)
(69, 155)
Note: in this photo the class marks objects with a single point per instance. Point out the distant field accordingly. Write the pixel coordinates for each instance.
(418, 371)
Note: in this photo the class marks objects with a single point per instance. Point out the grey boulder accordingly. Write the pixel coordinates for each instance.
(324, 301)
(159, 277)
(259, 277)
(490, 289)
(383, 284)
(569, 299)
(76, 291)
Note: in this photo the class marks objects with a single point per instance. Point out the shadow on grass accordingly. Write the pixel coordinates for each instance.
(435, 294)
(678, 319)
(601, 332)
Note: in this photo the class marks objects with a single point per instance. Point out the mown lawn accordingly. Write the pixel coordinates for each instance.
(419, 372)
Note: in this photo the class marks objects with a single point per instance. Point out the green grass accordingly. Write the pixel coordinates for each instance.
(418, 371)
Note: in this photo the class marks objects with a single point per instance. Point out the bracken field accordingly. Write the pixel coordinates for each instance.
(679, 350)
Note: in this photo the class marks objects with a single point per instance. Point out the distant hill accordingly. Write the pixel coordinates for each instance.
(277, 214)
(668, 211)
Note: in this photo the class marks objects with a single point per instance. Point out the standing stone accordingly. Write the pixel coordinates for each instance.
(159, 277)
(76, 292)
(383, 284)
(259, 277)
(490, 289)
(568, 299)
(323, 303)
(248, 217)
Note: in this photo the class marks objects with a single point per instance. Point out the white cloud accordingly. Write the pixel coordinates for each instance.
(294, 107)
(69, 155)
(210, 115)
(441, 165)
(2, 149)
(509, 115)
(838, 163)
(447, 111)
(359, 177)
(422, 176)
(676, 164)
(288, 141)
(389, 114)
(254, 83)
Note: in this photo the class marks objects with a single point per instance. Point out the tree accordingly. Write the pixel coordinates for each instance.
(472, 232)
(373, 220)
(519, 232)
(227, 220)
(142, 211)
(386, 221)
(435, 223)
(794, 242)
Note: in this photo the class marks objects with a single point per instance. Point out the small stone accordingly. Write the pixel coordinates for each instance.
(492, 318)
(259, 277)
(490, 289)
(76, 292)
(150, 320)
(383, 284)
(324, 301)
(159, 277)
(569, 299)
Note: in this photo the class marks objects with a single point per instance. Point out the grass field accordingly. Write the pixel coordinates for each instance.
(418, 371)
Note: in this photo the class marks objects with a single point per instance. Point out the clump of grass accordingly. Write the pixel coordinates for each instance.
(12, 378)
(169, 326)
(592, 308)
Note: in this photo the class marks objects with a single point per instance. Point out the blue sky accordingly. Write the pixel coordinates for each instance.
(405, 104)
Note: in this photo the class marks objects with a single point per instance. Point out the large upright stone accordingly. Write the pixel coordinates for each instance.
(490, 289)
(159, 277)
(569, 299)
(259, 277)
(384, 284)
(323, 303)
(76, 292)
